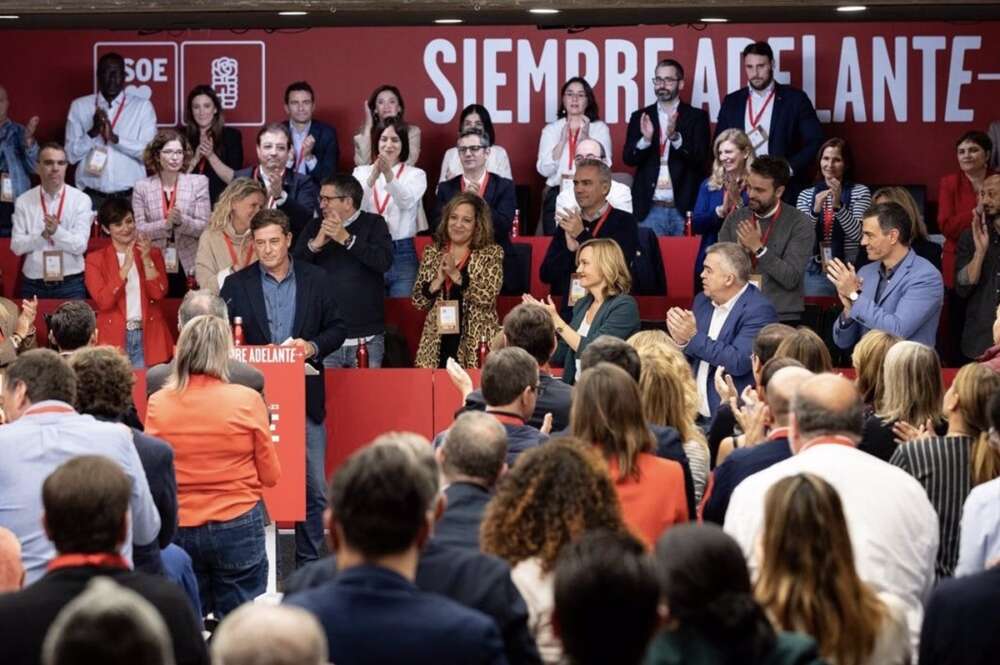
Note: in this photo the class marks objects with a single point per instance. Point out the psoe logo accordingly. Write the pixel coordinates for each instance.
(151, 72)
(235, 70)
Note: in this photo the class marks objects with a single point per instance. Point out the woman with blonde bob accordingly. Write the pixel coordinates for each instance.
(226, 246)
(950, 466)
(808, 582)
(607, 412)
(223, 458)
(604, 307)
(868, 360)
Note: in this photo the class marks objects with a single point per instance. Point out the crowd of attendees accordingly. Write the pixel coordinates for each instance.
(709, 491)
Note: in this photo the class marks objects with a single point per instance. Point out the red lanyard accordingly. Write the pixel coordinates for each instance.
(663, 141)
(257, 174)
(232, 250)
(459, 266)
(201, 165)
(573, 136)
(827, 218)
(507, 418)
(482, 187)
(774, 221)
(380, 207)
(118, 114)
(102, 560)
(168, 204)
(754, 120)
(62, 201)
(600, 222)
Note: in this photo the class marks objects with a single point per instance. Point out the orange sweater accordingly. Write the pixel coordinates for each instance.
(656, 501)
(223, 454)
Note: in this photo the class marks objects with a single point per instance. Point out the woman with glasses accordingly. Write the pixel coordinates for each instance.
(476, 117)
(578, 120)
(172, 206)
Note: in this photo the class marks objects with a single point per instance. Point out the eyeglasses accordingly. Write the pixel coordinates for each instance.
(663, 81)
(470, 149)
(331, 199)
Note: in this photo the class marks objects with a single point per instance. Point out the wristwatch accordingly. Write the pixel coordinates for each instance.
(854, 296)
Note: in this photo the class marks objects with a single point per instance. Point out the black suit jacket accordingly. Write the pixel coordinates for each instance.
(316, 320)
(560, 263)
(302, 202)
(687, 164)
(157, 459)
(459, 525)
(326, 150)
(795, 132)
(960, 621)
(555, 396)
(25, 616)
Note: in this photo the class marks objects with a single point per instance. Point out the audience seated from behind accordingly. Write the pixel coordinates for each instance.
(980, 533)
(86, 504)
(808, 348)
(72, 325)
(868, 361)
(269, 635)
(556, 493)
(11, 568)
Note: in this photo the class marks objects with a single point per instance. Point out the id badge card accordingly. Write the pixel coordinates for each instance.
(825, 253)
(52, 266)
(757, 280)
(170, 258)
(576, 290)
(757, 136)
(97, 160)
(447, 313)
(6, 188)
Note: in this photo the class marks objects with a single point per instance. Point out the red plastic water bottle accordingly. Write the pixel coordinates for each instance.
(515, 229)
(688, 225)
(238, 330)
(191, 283)
(362, 354)
(482, 351)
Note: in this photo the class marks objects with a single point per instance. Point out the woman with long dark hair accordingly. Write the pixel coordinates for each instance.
(475, 116)
(218, 149)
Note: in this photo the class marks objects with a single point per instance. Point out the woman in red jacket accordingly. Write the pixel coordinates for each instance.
(957, 194)
(127, 280)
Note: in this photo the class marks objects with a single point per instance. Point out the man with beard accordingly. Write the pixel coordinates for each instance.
(668, 144)
(779, 119)
(977, 270)
(778, 238)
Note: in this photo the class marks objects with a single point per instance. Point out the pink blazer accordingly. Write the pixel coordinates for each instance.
(192, 201)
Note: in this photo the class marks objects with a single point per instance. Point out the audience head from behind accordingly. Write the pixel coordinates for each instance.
(886, 233)
(510, 382)
(808, 582)
(808, 348)
(766, 344)
(780, 378)
(104, 382)
(554, 494)
(530, 327)
(913, 385)
(591, 185)
(108, 624)
(474, 450)
(966, 406)
(37, 376)
(11, 568)
(272, 240)
(605, 585)
(465, 221)
(201, 302)
(766, 183)
(73, 325)
(868, 360)
(825, 406)
(269, 635)
(608, 349)
(86, 501)
(726, 271)
(202, 349)
(669, 393)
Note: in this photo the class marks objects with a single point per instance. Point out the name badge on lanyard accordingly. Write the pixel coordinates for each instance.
(576, 290)
(170, 258)
(97, 161)
(6, 188)
(448, 317)
(52, 265)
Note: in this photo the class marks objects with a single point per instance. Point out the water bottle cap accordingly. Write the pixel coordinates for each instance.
(238, 320)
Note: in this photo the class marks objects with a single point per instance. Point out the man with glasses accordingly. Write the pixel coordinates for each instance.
(355, 249)
(668, 143)
(619, 197)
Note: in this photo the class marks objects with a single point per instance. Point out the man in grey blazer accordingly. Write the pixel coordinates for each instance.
(778, 238)
(197, 303)
(899, 292)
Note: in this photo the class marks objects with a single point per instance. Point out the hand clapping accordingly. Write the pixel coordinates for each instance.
(681, 325)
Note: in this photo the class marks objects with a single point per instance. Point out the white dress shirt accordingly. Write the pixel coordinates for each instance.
(135, 128)
(552, 169)
(405, 192)
(893, 527)
(133, 302)
(757, 99)
(719, 315)
(305, 167)
(71, 236)
(663, 115)
(498, 162)
(619, 197)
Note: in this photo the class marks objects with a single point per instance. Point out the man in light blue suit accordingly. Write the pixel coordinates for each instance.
(898, 293)
(720, 331)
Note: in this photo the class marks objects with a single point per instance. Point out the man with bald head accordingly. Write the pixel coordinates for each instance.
(893, 527)
(269, 635)
(977, 269)
(620, 195)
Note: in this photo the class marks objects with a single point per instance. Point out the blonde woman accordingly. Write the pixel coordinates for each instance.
(227, 246)
(913, 394)
(604, 309)
(223, 458)
(868, 360)
(950, 466)
(808, 582)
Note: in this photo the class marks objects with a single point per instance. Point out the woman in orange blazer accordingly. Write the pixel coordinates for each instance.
(127, 280)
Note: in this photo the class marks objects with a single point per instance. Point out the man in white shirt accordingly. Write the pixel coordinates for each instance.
(106, 134)
(620, 195)
(726, 318)
(51, 230)
(893, 527)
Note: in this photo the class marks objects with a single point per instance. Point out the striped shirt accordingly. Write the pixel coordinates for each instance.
(849, 219)
(941, 465)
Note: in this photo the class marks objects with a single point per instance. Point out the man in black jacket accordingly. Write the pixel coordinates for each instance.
(282, 302)
(355, 250)
(668, 143)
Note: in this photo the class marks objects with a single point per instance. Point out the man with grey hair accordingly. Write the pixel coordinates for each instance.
(719, 332)
(198, 303)
(269, 635)
(892, 524)
(472, 458)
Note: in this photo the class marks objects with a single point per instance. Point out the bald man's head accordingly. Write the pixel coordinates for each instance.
(989, 195)
(825, 405)
(590, 149)
(269, 635)
(11, 568)
(781, 389)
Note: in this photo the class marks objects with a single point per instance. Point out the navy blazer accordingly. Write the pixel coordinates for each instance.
(910, 306)
(740, 465)
(687, 164)
(459, 525)
(617, 316)
(795, 132)
(302, 202)
(554, 397)
(732, 348)
(326, 151)
(316, 320)
(373, 615)
(960, 621)
(157, 458)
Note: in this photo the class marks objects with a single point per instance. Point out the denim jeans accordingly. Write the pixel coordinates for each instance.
(134, 350)
(309, 534)
(347, 356)
(71, 288)
(177, 568)
(229, 559)
(815, 282)
(664, 221)
(403, 273)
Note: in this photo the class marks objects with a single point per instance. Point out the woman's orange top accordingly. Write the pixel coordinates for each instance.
(654, 502)
(223, 453)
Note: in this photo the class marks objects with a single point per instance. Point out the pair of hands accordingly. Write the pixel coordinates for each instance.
(582, 133)
(846, 280)
(447, 269)
(380, 166)
(753, 417)
(681, 325)
(546, 304)
(570, 221)
(903, 431)
(833, 193)
(749, 235)
(646, 126)
(145, 247)
(980, 234)
(463, 382)
(331, 228)
(732, 196)
(26, 319)
(101, 126)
